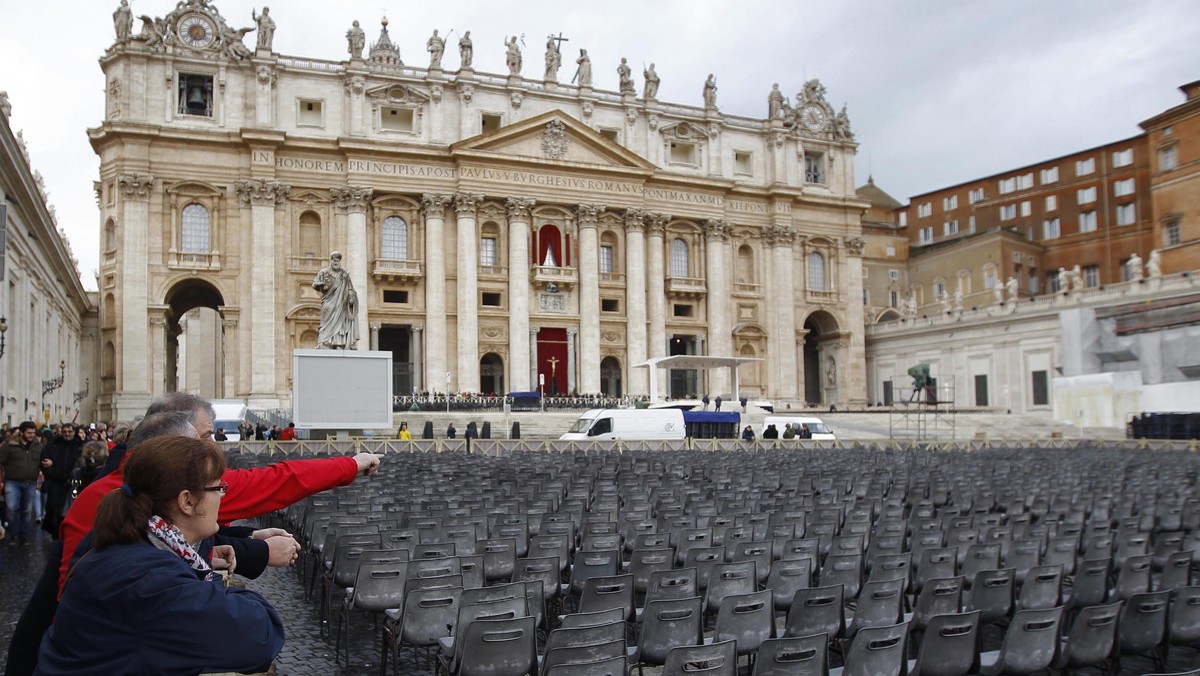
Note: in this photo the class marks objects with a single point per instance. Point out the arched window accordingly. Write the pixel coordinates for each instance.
(310, 234)
(679, 258)
(395, 238)
(816, 271)
(745, 264)
(110, 235)
(939, 288)
(195, 229)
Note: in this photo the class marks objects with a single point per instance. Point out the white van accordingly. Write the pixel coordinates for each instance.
(230, 414)
(820, 431)
(631, 424)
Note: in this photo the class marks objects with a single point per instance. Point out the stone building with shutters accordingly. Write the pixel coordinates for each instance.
(500, 231)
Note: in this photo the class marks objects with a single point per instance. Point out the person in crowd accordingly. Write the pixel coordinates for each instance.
(20, 459)
(451, 432)
(94, 454)
(58, 461)
(288, 433)
(805, 433)
(705, 400)
(771, 432)
(717, 403)
(260, 432)
(404, 433)
(748, 433)
(141, 600)
(219, 435)
(789, 431)
(245, 430)
(116, 447)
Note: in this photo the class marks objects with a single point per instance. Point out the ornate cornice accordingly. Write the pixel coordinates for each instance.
(136, 186)
(259, 193)
(352, 198)
(635, 220)
(716, 229)
(586, 215)
(467, 203)
(518, 207)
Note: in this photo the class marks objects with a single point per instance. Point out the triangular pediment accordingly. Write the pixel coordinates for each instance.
(553, 136)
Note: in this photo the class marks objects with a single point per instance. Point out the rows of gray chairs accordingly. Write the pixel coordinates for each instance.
(854, 561)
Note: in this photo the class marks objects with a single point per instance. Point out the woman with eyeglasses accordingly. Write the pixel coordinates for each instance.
(142, 600)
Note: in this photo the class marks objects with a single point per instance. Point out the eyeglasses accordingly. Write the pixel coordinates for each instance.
(222, 489)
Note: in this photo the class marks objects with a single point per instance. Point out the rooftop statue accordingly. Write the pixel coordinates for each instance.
(123, 22)
(710, 92)
(553, 59)
(626, 77)
(650, 90)
(584, 74)
(266, 28)
(356, 39)
(436, 47)
(466, 50)
(775, 103)
(512, 56)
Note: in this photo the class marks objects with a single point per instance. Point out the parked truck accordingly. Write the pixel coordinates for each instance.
(647, 424)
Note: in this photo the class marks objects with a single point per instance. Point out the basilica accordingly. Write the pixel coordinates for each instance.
(503, 232)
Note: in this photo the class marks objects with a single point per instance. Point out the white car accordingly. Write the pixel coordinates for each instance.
(820, 431)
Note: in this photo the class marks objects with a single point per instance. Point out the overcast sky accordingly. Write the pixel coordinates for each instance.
(938, 91)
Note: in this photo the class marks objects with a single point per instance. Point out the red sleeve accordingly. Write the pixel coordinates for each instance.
(254, 492)
(80, 518)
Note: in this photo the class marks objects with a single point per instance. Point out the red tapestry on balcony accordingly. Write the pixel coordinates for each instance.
(552, 360)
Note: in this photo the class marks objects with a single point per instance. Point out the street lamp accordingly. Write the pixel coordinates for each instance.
(3, 330)
(447, 391)
(78, 396)
(53, 384)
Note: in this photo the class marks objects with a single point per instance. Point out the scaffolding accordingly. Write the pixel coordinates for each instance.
(922, 412)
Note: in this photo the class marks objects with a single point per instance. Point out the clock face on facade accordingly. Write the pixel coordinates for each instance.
(196, 31)
(813, 117)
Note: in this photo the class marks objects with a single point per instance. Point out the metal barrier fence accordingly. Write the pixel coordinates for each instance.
(505, 447)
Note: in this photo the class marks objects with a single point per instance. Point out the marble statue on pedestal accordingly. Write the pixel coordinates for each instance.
(841, 126)
(1076, 278)
(584, 74)
(436, 47)
(553, 60)
(958, 298)
(512, 56)
(1013, 288)
(710, 92)
(1135, 268)
(946, 307)
(998, 292)
(123, 22)
(1155, 264)
(625, 74)
(339, 307)
(650, 90)
(356, 40)
(774, 103)
(466, 50)
(266, 28)
(1064, 281)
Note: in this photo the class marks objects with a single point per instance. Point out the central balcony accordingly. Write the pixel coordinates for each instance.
(396, 270)
(563, 278)
(686, 288)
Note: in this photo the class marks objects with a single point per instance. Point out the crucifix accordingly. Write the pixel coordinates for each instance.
(559, 40)
(553, 361)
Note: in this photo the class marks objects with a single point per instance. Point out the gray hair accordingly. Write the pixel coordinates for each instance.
(164, 424)
(182, 402)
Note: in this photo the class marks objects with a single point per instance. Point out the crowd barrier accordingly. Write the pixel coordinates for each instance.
(506, 447)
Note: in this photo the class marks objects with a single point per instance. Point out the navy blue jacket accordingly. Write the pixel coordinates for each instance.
(137, 609)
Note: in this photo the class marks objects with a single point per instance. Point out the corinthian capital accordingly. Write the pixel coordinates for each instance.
(518, 207)
(351, 198)
(136, 186)
(466, 203)
(586, 214)
(434, 204)
(716, 229)
(779, 235)
(635, 220)
(657, 222)
(259, 193)
(855, 245)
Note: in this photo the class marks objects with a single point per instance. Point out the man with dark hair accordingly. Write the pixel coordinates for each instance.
(20, 459)
(58, 459)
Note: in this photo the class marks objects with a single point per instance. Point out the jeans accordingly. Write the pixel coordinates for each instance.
(20, 496)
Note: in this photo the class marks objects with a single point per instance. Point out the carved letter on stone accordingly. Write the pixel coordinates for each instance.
(554, 140)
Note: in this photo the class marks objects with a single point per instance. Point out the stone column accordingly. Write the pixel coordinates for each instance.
(720, 342)
(356, 83)
(570, 362)
(134, 283)
(656, 295)
(852, 362)
(262, 197)
(533, 374)
(635, 302)
(781, 344)
(375, 335)
(417, 331)
(436, 364)
(466, 205)
(518, 293)
(158, 349)
(353, 201)
(589, 298)
(231, 344)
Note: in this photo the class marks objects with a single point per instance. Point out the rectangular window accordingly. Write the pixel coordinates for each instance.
(894, 275)
(1122, 158)
(1091, 275)
(971, 225)
(741, 163)
(949, 203)
(1051, 202)
(682, 310)
(195, 95)
(683, 153)
(1126, 214)
(1167, 159)
(489, 122)
(887, 393)
(1008, 185)
(975, 195)
(1026, 208)
(606, 259)
(1051, 229)
(866, 297)
(1085, 167)
(926, 235)
(902, 220)
(891, 251)
(924, 210)
(610, 305)
(490, 299)
(1041, 388)
(949, 228)
(1085, 195)
(1025, 181)
(981, 392)
(814, 168)
(1087, 221)
(1008, 212)
(396, 119)
(1049, 175)
(1123, 187)
(1171, 232)
(894, 298)
(487, 251)
(391, 296)
(310, 114)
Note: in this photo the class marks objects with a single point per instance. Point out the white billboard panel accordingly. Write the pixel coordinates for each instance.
(342, 389)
